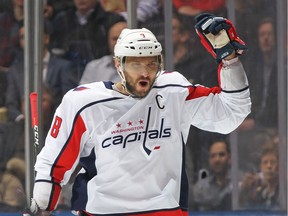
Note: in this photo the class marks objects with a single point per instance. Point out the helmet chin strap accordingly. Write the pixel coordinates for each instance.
(122, 76)
(123, 83)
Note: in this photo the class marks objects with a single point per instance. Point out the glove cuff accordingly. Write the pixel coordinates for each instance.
(228, 49)
(224, 51)
(230, 62)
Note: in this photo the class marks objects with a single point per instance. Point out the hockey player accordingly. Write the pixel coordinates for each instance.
(129, 137)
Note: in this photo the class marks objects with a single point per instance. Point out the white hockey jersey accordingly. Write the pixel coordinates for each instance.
(132, 149)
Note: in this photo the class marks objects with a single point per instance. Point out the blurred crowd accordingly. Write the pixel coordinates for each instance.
(78, 42)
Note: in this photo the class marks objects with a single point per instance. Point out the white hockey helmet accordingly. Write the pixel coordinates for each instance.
(137, 43)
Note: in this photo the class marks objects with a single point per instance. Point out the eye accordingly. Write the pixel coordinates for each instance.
(153, 65)
(135, 65)
(222, 154)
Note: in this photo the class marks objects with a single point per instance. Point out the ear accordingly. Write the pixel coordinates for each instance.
(116, 63)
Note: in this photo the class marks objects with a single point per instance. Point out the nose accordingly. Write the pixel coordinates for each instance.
(269, 164)
(217, 158)
(144, 72)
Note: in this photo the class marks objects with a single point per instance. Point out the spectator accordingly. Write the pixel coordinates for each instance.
(186, 59)
(260, 190)
(182, 52)
(145, 9)
(103, 68)
(249, 147)
(12, 196)
(248, 13)
(10, 22)
(81, 33)
(117, 6)
(53, 7)
(263, 76)
(58, 75)
(212, 191)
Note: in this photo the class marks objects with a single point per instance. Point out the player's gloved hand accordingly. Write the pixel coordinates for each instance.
(36, 211)
(218, 36)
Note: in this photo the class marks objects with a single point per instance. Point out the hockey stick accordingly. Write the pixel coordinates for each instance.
(35, 127)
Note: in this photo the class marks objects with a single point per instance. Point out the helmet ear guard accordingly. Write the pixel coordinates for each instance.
(120, 68)
(160, 61)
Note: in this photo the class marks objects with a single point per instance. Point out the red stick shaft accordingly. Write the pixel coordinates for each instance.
(34, 117)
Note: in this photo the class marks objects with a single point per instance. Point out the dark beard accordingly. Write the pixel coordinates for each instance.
(132, 90)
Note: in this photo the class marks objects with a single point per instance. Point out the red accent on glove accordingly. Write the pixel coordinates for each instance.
(208, 46)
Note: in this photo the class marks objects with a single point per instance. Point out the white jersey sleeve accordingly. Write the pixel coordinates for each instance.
(64, 145)
(220, 109)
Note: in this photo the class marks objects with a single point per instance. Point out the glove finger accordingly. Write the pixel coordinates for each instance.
(238, 45)
(224, 26)
(199, 25)
(216, 27)
(201, 16)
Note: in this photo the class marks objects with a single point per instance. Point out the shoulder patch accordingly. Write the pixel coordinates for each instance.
(80, 88)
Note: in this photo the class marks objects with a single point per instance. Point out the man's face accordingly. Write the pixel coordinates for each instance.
(46, 38)
(114, 33)
(266, 37)
(219, 158)
(269, 166)
(140, 74)
(179, 35)
(84, 5)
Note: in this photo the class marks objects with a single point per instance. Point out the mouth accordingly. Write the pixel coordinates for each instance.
(143, 83)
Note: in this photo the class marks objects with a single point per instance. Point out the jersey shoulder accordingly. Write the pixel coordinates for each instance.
(173, 78)
(91, 92)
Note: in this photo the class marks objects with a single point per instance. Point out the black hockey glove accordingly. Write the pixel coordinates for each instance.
(218, 36)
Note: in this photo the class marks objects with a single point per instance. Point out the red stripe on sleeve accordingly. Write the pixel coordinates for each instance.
(55, 196)
(201, 91)
(70, 152)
